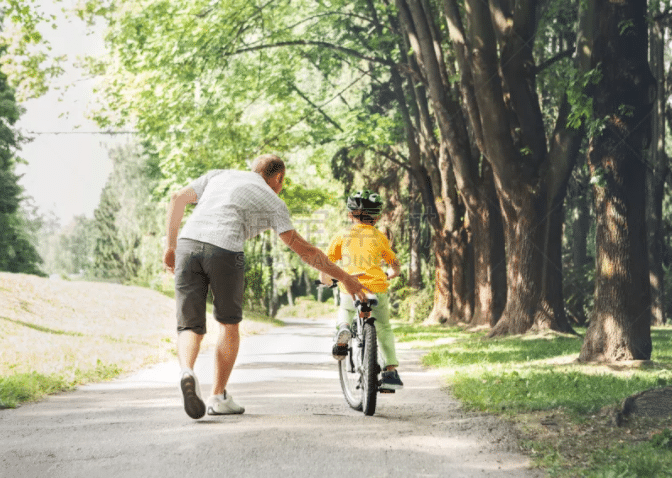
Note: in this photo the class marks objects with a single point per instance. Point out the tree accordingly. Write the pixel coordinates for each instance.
(500, 109)
(24, 53)
(67, 250)
(127, 218)
(17, 246)
(579, 265)
(623, 100)
(220, 96)
(658, 163)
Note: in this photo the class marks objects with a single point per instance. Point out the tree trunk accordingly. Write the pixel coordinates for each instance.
(551, 312)
(443, 281)
(462, 278)
(620, 326)
(489, 258)
(523, 239)
(415, 263)
(655, 177)
(579, 219)
(290, 297)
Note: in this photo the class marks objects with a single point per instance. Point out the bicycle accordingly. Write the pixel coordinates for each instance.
(359, 372)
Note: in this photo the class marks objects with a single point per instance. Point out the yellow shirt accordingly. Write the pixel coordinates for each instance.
(363, 248)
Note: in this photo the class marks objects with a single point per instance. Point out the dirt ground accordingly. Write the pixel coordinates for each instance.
(296, 423)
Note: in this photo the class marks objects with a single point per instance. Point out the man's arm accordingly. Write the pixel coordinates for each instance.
(178, 201)
(314, 257)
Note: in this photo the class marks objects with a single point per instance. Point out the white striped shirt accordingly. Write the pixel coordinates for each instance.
(234, 206)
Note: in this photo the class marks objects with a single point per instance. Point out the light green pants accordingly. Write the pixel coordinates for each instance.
(381, 312)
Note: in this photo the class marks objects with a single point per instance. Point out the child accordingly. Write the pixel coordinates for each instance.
(362, 249)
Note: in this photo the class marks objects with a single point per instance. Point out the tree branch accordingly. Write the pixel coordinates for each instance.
(331, 46)
(318, 108)
(554, 59)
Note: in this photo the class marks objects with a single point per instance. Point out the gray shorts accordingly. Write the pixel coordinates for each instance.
(199, 265)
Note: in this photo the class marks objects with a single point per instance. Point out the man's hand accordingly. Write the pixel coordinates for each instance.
(355, 288)
(169, 259)
(178, 201)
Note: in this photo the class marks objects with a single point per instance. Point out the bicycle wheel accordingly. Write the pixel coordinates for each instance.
(349, 373)
(369, 370)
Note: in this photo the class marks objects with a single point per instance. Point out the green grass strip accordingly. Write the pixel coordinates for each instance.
(26, 387)
(43, 329)
(546, 389)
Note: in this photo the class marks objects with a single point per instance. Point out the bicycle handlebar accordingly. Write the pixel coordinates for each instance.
(319, 283)
(366, 305)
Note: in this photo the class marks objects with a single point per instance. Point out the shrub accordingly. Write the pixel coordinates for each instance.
(414, 305)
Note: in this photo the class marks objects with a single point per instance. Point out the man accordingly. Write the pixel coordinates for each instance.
(232, 206)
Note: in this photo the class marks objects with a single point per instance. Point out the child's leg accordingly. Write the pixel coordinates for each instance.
(343, 332)
(384, 331)
(346, 311)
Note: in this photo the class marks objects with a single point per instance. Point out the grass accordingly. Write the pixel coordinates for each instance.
(565, 410)
(25, 387)
(60, 334)
(308, 308)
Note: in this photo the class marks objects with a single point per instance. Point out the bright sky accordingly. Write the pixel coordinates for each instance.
(66, 172)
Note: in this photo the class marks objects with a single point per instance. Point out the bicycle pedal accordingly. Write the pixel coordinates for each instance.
(385, 390)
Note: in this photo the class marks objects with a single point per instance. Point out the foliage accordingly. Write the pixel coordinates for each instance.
(302, 79)
(68, 251)
(18, 251)
(128, 222)
(24, 53)
(219, 95)
(414, 305)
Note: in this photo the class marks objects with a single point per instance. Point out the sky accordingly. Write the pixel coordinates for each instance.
(66, 172)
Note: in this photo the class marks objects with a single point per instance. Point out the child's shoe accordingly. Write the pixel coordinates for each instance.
(340, 348)
(391, 381)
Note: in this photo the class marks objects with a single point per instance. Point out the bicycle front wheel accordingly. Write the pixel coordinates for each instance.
(349, 373)
(369, 370)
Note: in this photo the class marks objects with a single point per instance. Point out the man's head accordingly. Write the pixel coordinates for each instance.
(272, 169)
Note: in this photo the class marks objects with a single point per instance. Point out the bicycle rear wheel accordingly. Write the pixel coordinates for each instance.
(349, 373)
(369, 370)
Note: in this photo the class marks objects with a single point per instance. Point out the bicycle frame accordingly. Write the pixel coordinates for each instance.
(359, 372)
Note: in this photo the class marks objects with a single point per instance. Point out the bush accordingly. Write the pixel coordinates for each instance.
(414, 305)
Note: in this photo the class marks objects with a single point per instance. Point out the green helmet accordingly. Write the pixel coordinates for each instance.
(367, 201)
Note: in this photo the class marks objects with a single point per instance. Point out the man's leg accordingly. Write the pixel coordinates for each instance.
(226, 353)
(188, 345)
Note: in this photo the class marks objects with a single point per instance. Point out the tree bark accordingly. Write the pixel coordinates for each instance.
(524, 242)
(415, 263)
(656, 175)
(620, 326)
(443, 280)
(489, 256)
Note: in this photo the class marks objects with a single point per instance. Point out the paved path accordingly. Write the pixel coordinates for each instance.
(296, 424)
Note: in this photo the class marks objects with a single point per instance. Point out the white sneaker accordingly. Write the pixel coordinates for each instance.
(342, 338)
(223, 405)
(191, 394)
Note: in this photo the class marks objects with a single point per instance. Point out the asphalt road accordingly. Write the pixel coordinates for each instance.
(296, 424)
